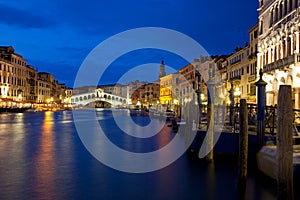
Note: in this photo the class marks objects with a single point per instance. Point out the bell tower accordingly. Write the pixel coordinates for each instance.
(162, 71)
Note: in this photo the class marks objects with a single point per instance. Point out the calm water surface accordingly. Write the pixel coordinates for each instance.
(42, 157)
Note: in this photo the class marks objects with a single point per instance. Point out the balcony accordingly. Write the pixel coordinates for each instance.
(283, 64)
(235, 78)
(252, 78)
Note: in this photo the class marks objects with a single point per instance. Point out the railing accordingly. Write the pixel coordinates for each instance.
(270, 119)
(280, 64)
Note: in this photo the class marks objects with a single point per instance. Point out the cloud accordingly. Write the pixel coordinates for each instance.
(23, 18)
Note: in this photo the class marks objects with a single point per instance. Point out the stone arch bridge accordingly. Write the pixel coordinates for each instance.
(98, 95)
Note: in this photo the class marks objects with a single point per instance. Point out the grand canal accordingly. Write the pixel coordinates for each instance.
(42, 157)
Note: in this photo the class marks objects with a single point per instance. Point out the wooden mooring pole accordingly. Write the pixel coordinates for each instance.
(210, 116)
(284, 154)
(243, 148)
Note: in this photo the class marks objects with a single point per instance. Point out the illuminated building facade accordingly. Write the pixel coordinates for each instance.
(278, 47)
(17, 79)
(169, 90)
(150, 94)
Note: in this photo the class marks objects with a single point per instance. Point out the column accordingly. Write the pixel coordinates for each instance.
(281, 48)
(273, 53)
(259, 57)
(297, 41)
(292, 44)
(277, 51)
(266, 57)
(285, 47)
(269, 55)
(297, 96)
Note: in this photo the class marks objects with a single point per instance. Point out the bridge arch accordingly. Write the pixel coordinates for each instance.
(97, 95)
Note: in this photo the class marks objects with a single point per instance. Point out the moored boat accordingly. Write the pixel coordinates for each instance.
(267, 163)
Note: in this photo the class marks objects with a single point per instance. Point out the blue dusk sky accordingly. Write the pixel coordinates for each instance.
(57, 35)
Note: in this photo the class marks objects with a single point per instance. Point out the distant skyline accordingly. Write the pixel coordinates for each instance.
(56, 36)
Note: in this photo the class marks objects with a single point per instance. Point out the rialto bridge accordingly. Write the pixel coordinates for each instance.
(98, 95)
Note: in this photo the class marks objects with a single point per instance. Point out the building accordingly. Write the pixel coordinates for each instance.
(278, 47)
(211, 68)
(236, 72)
(169, 90)
(17, 79)
(241, 69)
(133, 91)
(252, 71)
(22, 83)
(49, 90)
(150, 94)
(115, 89)
(186, 79)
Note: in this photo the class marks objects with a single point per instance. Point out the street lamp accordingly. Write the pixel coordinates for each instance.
(237, 94)
(200, 96)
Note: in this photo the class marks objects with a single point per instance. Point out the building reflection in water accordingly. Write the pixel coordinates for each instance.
(45, 164)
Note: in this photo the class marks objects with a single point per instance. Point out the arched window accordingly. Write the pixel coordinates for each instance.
(290, 5)
(276, 14)
(271, 18)
(285, 7)
(280, 11)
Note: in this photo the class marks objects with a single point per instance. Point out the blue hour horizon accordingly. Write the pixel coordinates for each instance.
(56, 37)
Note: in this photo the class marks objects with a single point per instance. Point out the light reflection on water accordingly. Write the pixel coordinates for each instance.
(45, 159)
(42, 157)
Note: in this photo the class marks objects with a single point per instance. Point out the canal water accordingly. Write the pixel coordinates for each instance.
(42, 157)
